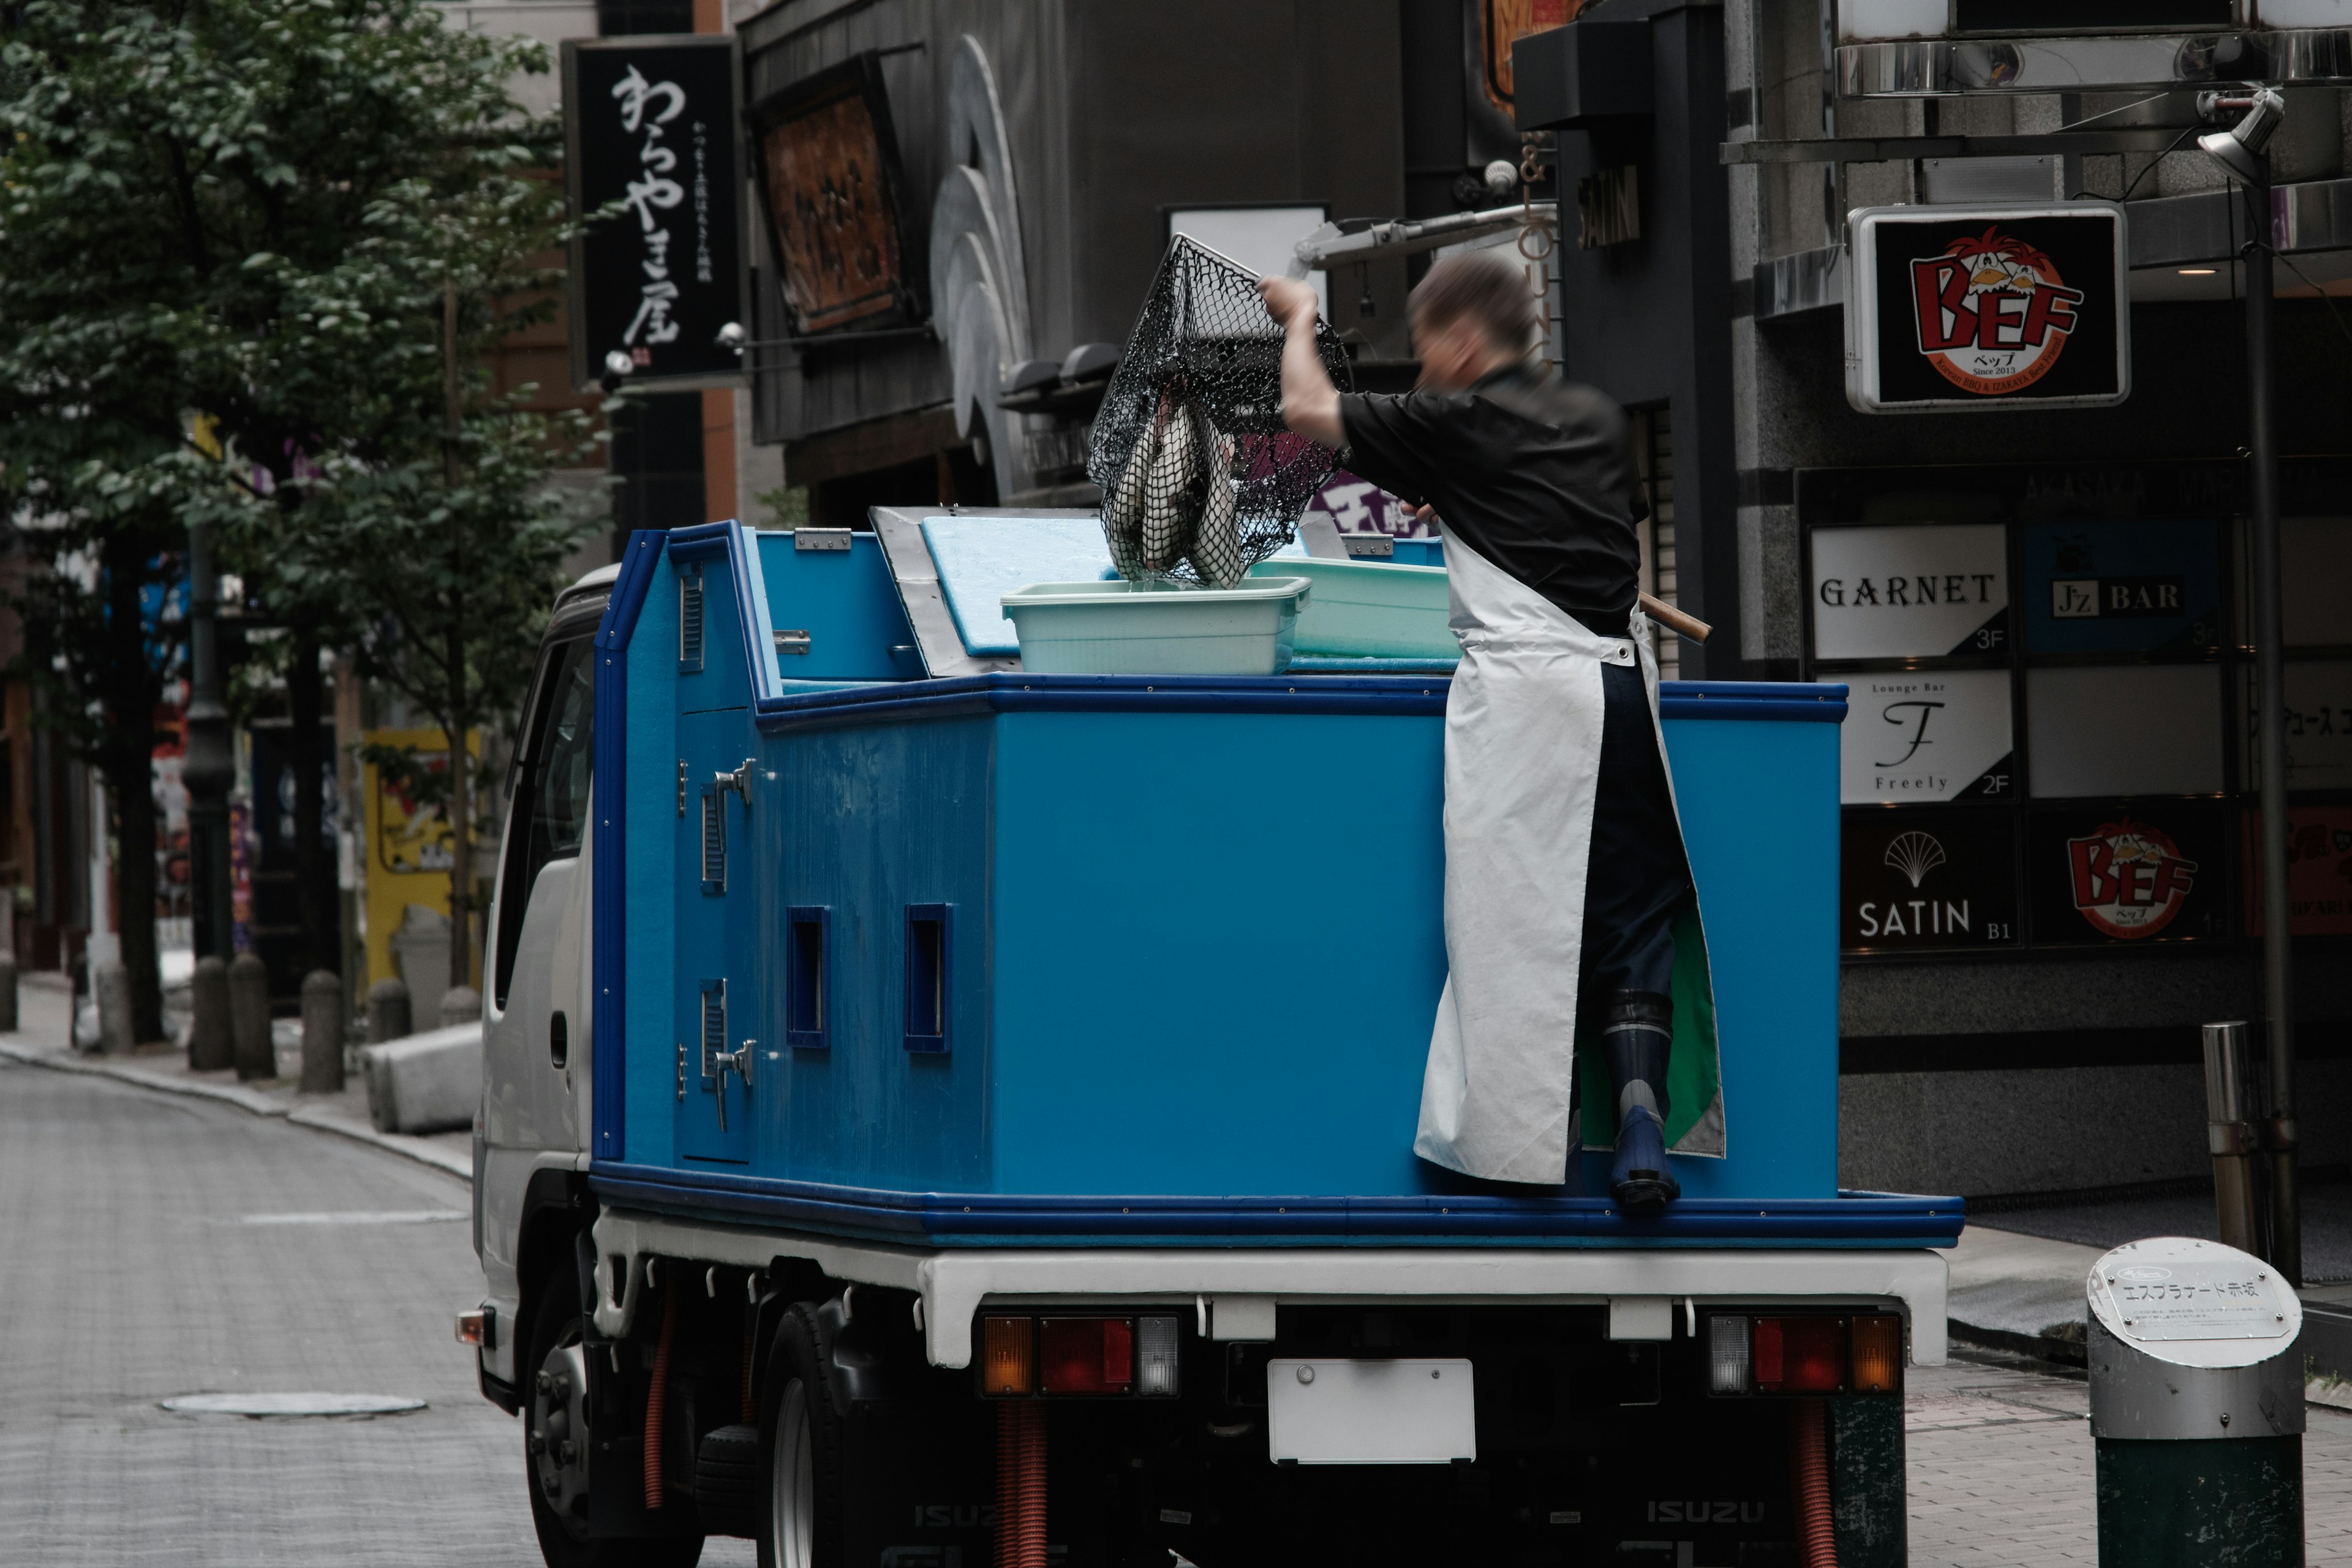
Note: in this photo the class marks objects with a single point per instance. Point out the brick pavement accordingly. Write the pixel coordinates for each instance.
(2000, 1471)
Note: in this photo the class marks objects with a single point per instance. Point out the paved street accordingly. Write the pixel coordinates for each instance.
(150, 1254)
(160, 1246)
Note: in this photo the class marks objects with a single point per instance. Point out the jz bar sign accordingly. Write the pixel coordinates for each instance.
(1954, 309)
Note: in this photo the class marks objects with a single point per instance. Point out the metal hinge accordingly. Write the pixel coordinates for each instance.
(820, 539)
(681, 786)
(681, 1069)
(791, 641)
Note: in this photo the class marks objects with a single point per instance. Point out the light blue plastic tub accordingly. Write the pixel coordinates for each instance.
(1140, 628)
(1366, 610)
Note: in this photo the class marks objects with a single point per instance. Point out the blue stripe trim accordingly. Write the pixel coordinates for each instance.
(608, 762)
(1789, 702)
(1873, 1219)
(1016, 691)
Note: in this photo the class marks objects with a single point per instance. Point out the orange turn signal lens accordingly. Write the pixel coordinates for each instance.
(1877, 1354)
(1008, 1353)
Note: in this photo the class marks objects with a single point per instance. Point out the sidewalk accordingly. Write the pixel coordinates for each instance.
(44, 1008)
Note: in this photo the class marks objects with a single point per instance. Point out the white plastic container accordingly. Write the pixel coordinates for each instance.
(1370, 610)
(1149, 628)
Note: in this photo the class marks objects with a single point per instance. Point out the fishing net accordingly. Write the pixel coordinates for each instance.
(1200, 479)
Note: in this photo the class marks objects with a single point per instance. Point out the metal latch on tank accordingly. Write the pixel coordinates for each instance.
(791, 641)
(739, 780)
(820, 539)
(736, 1061)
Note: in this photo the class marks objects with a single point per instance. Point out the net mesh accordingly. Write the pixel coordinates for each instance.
(1200, 479)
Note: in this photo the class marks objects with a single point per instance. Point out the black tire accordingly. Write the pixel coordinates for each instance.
(800, 1522)
(556, 1326)
(729, 1488)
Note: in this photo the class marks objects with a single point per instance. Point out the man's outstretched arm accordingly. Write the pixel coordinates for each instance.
(1310, 404)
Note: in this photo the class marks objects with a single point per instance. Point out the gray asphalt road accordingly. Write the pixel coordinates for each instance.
(145, 1252)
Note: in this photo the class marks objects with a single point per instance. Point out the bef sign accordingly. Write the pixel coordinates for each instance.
(1972, 308)
(652, 131)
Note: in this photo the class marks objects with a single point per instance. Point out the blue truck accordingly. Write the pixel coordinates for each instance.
(938, 1114)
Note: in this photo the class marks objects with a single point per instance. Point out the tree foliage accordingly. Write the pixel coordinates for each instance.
(290, 226)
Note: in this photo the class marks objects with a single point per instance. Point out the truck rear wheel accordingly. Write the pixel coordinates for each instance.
(556, 1406)
(800, 1452)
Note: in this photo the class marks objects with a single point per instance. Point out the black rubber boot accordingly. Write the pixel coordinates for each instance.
(1639, 1029)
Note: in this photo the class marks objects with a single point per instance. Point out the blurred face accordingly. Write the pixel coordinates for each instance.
(1454, 354)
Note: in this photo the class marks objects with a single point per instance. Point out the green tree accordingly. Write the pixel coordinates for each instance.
(259, 210)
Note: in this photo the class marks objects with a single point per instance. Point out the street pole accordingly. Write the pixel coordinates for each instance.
(2278, 954)
(209, 769)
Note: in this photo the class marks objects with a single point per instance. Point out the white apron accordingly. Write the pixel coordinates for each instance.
(1523, 728)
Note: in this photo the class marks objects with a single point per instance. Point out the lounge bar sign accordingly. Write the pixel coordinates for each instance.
(1955, 307)
(652, 130)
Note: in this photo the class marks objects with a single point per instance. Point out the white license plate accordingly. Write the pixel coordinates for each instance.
(1340, 1412)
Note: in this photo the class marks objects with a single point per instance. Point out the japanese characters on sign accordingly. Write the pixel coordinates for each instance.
(2319, 725)
(2318, 871)
(829, 176)
(1987, 307)
(650, 125)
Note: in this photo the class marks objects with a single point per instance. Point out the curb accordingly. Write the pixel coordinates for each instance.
(249, 1101)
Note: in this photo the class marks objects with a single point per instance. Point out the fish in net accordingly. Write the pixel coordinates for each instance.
(1200, 478)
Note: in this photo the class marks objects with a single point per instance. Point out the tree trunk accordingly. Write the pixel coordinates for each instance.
(127, 761)
(313, 872)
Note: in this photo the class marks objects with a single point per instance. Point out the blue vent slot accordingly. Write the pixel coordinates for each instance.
(689, 619)
(807, 978)
(929, 971)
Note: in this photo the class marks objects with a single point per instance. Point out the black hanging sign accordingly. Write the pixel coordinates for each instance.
(654, 125)
(1949, 308)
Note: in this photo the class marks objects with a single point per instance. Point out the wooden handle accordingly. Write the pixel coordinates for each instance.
(1674, 620)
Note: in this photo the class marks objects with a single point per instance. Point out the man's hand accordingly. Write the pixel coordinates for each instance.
(1310, 404)
(1287, 298)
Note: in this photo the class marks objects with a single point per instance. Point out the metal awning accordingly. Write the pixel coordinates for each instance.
(1936, 67)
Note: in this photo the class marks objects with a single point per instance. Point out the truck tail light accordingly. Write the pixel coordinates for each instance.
(1008, 1356)
(1726, 1355)
(1155, 1356)
(1087, 1355)
(1800, 1355)
(1877, 1354)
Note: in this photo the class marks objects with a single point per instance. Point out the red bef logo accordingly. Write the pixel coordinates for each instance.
(2129, 878)
(1991, 313)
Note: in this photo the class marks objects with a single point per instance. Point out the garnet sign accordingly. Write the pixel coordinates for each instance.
(1959, 308)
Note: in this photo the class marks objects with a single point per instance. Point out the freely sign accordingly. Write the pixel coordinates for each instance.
(1954, 308)
(828, 164)
(1922, 737)
(2110, 874)
(1928, 879)
(650, 124)
(2152, 586)
(1922, 591)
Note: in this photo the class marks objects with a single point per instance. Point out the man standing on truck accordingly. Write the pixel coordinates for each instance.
(1564, 873)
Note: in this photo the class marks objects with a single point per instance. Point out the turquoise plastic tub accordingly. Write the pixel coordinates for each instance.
(1149, 628)
(1370, 610)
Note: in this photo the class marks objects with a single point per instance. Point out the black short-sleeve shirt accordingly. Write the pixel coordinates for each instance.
(1534, 473)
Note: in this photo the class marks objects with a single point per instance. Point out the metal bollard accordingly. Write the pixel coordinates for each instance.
(248, 1006)
(2196, 1406)
(388, 1016)
(2229, 1134)
(212, 1039)
(111, 981)
(7, 993)
(460, 1004)
(323, 1033)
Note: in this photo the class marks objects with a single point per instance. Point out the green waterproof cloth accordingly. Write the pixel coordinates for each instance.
(1694, 1072)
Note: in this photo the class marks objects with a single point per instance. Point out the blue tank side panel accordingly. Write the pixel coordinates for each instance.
(650, 876)
(1214, 922)
(867, 820)
(845, 601)
(1759, 811)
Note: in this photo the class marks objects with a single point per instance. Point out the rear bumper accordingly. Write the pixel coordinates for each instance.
(1236, 1288)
